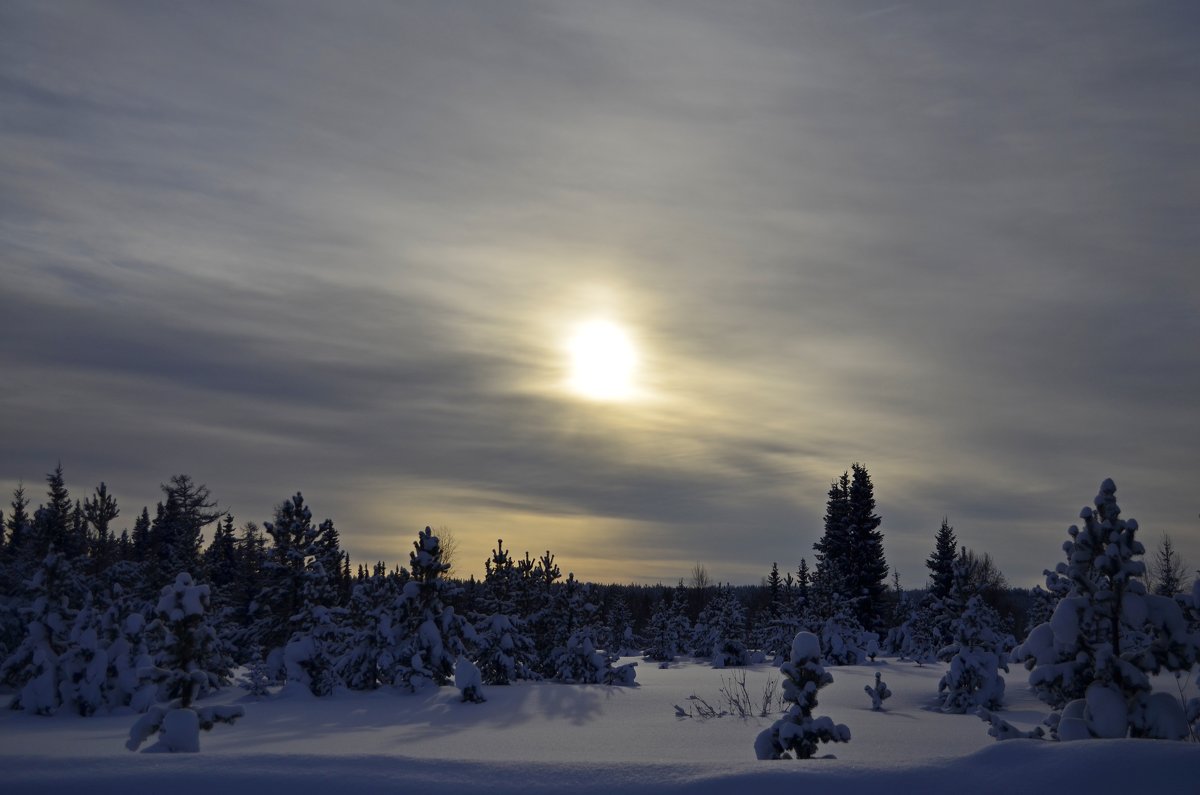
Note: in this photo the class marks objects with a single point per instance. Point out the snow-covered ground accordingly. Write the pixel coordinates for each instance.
(547, 737)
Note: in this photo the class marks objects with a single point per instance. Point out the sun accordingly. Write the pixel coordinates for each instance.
(603, 361)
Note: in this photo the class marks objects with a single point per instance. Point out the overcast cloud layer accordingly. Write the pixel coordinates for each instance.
(333, 248)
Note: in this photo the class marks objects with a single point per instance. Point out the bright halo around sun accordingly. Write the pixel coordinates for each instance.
(603, 361)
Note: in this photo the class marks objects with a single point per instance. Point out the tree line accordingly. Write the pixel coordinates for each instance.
(78, 605)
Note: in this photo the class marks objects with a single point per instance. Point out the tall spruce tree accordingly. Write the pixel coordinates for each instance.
(294, 578)
(850, 560)
(941, 562)
(20, 535)
(868, 565)
(774, 592)
(832, 549)
(140, 541)
(52, 521)
(99, 510)
(175, 535)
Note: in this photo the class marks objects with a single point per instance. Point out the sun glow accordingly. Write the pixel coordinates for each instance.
(603, 361)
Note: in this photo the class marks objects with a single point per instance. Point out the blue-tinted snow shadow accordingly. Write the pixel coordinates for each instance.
(435, 712)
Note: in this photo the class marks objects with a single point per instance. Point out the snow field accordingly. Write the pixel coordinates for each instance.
(545, 737)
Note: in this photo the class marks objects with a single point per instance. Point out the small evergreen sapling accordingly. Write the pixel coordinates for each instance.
(1001, 729)
(257, 679)
(879, 693)
(469, 680)
(798, 732)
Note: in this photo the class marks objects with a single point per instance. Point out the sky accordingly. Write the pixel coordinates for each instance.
(343, 249)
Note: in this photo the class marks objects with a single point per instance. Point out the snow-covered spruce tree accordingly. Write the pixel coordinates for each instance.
(1041, 606)
(1191, 604)
(369, 653)
(918, 638)
(976, 655)
(505, 651)
(798, 733)
(850, 559)
(622, 639)
(283, 577)
(311, 655)
(579, 658)
(843, 640)
(83, 666)
(33, 669)
(176, 531)
(300, 598)
(668, 628)
(1168, 572)
(190, 645)
(188, 659)
(122, 631)
(429, 635)
(705, 634)
(941, 561)
(778, 634)
(728, 629)
(778, 623)
(247, 617)
(536, 601)
(13, 572)
(312, 652)
(580, 662)
(1080, 662)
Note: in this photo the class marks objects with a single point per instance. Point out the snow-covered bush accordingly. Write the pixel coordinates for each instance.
(843, 639)
(1083, 662)
(798, 732)
(468, 680)
(580, 662)
(504, 654)
(1001, 729)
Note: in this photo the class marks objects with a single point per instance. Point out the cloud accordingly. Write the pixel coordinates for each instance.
(286, 247)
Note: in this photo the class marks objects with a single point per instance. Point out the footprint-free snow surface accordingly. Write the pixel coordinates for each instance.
(544, 737)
